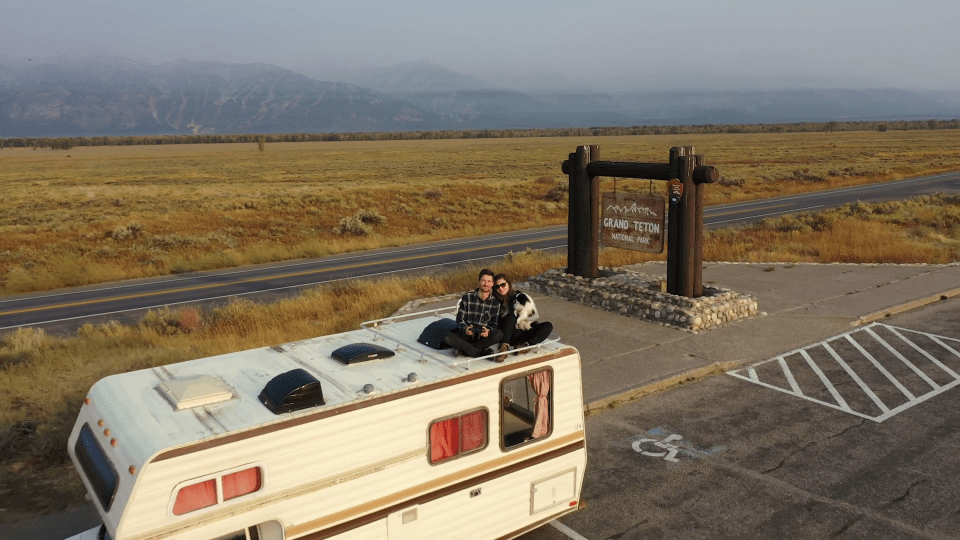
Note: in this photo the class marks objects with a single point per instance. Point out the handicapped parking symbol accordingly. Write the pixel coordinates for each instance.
(670, 450)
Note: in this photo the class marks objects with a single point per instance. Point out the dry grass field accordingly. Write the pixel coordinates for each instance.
(102, 213)
(97, 214)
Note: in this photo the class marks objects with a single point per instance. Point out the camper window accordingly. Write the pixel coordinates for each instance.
(526, 403)
(220, 488)
(195, 497)
(463, 434)
(241, 483)
(96, 466)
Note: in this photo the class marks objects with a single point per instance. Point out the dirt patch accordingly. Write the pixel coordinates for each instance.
(31, 486)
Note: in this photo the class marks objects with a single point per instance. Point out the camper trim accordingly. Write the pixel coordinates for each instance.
(463, 480)
(512, 456)
(354, 406)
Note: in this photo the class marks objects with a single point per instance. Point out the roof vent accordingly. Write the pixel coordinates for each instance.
(187, 392)
(292, 391)
(361, 352)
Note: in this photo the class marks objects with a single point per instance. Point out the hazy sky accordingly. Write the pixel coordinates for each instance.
(612, 44)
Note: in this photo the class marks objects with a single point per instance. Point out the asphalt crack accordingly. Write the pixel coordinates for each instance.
(632, 527)
(905, 494)
(847, 526)
(813, 443)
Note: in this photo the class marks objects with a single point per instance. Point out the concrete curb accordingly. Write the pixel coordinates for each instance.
(614, 401)
(906, 306)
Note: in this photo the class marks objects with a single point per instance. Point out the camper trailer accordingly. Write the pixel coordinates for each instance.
(364, 434)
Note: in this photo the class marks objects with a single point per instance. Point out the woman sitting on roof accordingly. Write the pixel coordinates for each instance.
(518, 317)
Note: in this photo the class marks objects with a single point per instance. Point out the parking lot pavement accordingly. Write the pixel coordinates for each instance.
(729, 457)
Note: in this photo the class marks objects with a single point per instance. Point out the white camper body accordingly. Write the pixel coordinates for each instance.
(423, 444)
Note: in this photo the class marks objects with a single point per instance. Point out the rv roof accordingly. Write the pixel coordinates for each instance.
(202, 399)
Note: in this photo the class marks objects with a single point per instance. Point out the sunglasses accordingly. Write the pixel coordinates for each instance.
(501, 285)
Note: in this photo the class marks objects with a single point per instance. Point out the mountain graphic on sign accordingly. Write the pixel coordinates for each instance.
(632, 209)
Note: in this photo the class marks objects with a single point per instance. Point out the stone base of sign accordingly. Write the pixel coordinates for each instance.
(625, 291)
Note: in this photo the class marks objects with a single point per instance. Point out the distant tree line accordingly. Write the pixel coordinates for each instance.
(66, 143)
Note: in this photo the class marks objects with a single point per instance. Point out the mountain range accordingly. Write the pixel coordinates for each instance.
(105, 95)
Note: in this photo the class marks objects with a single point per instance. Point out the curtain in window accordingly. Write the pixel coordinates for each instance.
(474, 430)
(241, 483)
(195, 497)
(540, 382)
(444, 439)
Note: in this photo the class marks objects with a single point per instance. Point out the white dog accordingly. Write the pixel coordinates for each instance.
(526, 311)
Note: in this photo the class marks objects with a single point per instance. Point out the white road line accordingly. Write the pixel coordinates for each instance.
(789, 375)
(570, 533)
(808, 398)
(865, 187)
(929, 356)
(751, 374)
(944, 345)
(853, 375)
(902, 358)
(882, 369)
(336, 258)
(826, 382)
(793, 211)
(237, 295)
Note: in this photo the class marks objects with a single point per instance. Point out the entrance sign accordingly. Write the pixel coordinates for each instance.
(685, 253)
(633, 221)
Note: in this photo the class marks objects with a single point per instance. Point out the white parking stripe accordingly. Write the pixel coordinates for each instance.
(853, 375)
(567, 530)
(867, 380)
(880, 368)
(826, 382)
(902, 358)
(930, 357)
(789, 375)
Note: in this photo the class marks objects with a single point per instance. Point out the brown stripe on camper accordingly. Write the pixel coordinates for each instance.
(350, 407)
(423, 498)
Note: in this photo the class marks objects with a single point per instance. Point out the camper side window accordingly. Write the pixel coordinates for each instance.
(526, 405)
(96, 466)
(460, 435)
(218, 489)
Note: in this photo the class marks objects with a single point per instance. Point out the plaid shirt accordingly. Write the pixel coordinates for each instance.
(471, 310)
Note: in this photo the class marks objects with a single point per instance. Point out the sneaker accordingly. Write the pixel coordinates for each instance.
(503, 353)
(520, 346)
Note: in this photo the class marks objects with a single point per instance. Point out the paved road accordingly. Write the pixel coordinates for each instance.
(752, 211)
(127, 301)
(729, 458)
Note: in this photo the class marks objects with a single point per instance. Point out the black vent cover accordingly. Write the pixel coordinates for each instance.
(292, 391)
(360, 352)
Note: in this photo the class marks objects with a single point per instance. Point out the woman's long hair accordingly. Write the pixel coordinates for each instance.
(496, 291)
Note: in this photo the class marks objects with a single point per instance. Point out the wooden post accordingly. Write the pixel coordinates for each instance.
(688, 226)
(573, 170)
(592, 269)
(698, 237)
(581, 212)
(675, 224)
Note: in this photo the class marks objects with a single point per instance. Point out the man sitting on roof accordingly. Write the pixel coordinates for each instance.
(477, 314)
